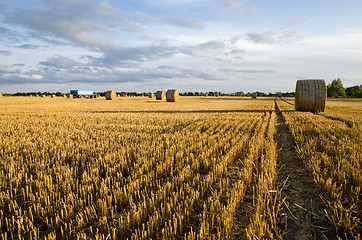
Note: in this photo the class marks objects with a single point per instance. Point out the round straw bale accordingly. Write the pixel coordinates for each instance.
(1, 94)
(160, 95)
(206, 95)
(172, 95)
(310, 95)
(254, 95)
(53, 95)
(111, 95)
(150, 95)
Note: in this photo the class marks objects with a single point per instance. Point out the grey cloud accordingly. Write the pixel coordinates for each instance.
(87, 74)
(76, 21)
(167, 67)
(10, 36)
(59, 62)
(289, 37)
(213, 45)
(133, 55)
(234, 5)
(236, 51)
(271, 37)
(265, 37)
(182, 22)
(251, 71)
(174, 21)
(5, 52)
(28, 46)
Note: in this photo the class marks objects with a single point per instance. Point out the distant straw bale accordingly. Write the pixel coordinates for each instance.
(160, 95)
(111, 95)
(254, 95)
(172, 95)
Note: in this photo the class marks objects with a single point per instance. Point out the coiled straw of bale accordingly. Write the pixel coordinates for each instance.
(150, 95)
(172, 95)
(310, 95)
(160, 95)
(111, 95)
(254, 95)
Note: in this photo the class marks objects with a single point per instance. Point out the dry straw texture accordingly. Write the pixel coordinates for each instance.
(1, 94)
(160, 95)
(310, 95)
(254, 95)
(172, 95)
(111, 95)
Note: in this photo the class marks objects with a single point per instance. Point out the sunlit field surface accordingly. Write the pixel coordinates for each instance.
(137, 168)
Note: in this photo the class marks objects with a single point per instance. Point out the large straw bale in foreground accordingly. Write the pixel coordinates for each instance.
(310, 95)
(172, 95)
(160, 95)
(111, 95)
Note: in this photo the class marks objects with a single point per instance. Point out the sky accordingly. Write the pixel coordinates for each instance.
(191, 45)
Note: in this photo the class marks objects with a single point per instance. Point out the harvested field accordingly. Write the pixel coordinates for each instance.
(203, 168)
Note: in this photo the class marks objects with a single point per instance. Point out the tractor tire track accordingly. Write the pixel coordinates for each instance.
(302, 214)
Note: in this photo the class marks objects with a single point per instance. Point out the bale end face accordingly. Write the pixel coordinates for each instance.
(310, 95)
(172, 95)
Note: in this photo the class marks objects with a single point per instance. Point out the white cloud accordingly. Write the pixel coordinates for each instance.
(271, 37)
(305, 19)
(5, 52)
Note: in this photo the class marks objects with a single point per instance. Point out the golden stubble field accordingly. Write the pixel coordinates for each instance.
(201, 168)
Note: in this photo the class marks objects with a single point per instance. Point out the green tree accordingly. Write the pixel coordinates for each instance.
(355, 91)
(336, 88)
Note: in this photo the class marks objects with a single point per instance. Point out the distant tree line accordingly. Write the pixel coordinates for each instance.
(241, 93)
(336, 89)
